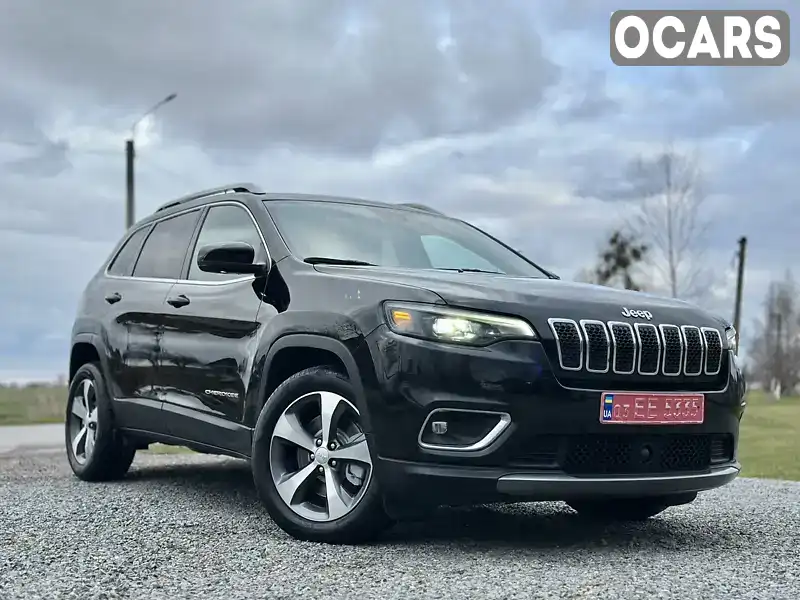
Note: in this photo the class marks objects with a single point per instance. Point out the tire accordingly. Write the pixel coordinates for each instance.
(109, 454)
(316, 515)
(627, 509)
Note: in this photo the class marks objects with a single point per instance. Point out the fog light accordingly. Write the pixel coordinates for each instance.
(463, 429)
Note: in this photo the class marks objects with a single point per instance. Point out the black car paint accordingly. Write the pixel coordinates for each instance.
(161, 360)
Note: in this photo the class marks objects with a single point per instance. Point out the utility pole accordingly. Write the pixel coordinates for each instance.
(130, 155)
(737, 311)
(129, 201)
(778, 353)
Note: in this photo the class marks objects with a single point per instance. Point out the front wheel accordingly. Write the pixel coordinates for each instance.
(627, 509)
(311, 462)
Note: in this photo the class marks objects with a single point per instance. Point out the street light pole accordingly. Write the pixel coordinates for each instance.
(737, 310)
(130, 154)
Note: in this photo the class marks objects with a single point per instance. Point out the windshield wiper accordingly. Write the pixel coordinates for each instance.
(469, 270)
(324, 260)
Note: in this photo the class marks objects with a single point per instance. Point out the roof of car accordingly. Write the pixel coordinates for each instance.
(239, 190)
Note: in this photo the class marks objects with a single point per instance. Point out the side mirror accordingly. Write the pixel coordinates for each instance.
(230, 257)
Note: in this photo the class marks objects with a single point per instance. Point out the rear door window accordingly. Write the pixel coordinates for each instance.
(165, 248)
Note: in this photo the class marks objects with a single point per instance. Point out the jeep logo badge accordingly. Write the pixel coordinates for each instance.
(641, 314)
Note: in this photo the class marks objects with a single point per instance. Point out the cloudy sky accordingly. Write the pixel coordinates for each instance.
(507, 113)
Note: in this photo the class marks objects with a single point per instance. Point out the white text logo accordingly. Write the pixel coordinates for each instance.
(700, 37)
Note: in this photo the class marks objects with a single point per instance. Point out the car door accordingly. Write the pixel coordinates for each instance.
(210, 334)
(139, 304)
(114, 293)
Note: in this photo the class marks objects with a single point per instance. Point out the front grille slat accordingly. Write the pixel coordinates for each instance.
(649, 348)
(598, 346)
(624, 343)
(713, 343)
(693, 359)
(622, 348)
(569, 342)
(673, 350)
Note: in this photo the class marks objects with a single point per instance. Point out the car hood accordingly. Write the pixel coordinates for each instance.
(538, 299)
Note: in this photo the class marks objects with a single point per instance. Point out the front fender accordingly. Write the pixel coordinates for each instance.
(351, 354)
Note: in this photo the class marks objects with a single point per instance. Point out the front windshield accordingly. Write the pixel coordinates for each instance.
(392, 238)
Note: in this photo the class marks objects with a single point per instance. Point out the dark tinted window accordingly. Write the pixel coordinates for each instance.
(391, 237)
(165, 248)
(124, 260)
(226, 223)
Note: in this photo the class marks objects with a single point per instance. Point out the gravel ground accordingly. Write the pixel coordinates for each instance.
(190, 526)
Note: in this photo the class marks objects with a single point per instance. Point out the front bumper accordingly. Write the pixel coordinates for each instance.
(462, 485)
(558, 486)
(554, 447)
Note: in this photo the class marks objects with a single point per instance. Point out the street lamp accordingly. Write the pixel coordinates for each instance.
(129, 156)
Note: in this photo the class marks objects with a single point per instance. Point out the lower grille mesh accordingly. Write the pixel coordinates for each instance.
(626, 454)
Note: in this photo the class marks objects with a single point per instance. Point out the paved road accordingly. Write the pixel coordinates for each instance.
(29, 438)
(191, 527)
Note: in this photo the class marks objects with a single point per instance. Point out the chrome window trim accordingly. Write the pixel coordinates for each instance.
(552, 321)
(583, 324)
(638, 327)
(504, 420)
(155, 222)
(635, 347)
(684, 329)
(661, 328)
(721, 349)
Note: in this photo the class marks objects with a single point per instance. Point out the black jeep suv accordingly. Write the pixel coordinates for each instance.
(373, 361)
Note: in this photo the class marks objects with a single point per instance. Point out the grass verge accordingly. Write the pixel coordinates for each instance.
(769, 442)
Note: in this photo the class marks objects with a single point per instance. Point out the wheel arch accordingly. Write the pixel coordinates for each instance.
(85, 349)
(293, 353)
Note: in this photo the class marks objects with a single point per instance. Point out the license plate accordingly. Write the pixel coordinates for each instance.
(652, 408)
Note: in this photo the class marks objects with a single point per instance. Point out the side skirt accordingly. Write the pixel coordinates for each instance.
(149, 437)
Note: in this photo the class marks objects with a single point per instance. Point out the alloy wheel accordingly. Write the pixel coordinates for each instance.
(83, 421)
(319, 459)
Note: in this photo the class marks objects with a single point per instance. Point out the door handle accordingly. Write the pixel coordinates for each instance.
(113, 298)
(178, 301)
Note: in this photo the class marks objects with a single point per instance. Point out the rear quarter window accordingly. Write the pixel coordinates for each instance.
(122, 264)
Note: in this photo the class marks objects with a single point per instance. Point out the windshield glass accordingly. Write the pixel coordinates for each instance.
(391, 238)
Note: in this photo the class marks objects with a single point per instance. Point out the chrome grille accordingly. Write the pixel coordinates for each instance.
(598, 346)
(693, 361)
(623, 361)
(639, 348)
(569, 343)
(673, 349)
(713, 343)
(649, 348)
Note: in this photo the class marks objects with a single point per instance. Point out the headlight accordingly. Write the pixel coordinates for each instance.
(730, 332)
(442, 324)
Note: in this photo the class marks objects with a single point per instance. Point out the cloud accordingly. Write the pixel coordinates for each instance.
(509, 114)
(337, 76)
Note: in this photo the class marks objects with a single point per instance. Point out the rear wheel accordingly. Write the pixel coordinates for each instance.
(311, 463)
(627, 509)
(95, 449)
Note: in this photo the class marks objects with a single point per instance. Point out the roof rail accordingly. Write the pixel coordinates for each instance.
(422, 207)
(231, 188)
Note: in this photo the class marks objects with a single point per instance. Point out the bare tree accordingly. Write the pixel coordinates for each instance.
(670, 220)
(775, 348)
(618, 262)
